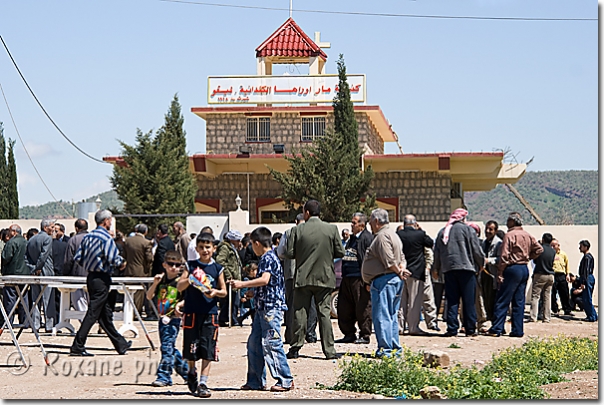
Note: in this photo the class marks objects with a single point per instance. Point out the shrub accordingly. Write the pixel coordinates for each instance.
(515, 373)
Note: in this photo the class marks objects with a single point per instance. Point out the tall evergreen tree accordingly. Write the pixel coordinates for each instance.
(13, 192)
(156, 178)
(4, 196)
(330, 169)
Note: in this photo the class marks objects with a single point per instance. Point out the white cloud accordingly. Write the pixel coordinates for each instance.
(26, 179)
(36, 150)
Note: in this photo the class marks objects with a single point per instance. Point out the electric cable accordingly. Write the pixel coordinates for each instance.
(28, 156)
(43, 109)
(359, 13)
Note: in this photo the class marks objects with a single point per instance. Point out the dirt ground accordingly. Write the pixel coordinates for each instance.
(110, 376)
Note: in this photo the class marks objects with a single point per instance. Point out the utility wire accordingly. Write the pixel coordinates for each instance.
(43, 109)
(28, 156)
(445, 17)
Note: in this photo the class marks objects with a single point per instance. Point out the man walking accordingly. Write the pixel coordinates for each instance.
(588, 281)
(384, 268)
(354, 301)
(457, 254)
(561, 280)
(182, 239)
(39, 261)
(79, 298)
(314, 244)
(139, 258)
(414, 242)
(289, 271)
(543, 280)
(517, 249)
(98, 254)
(13, 264)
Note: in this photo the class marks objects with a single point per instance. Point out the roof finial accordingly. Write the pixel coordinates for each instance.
(290, 8)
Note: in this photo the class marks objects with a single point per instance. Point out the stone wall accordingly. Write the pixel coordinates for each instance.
(225, 133)
(226, 187)
(427, 195)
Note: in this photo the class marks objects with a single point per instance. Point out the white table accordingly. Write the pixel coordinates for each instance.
(66, 314)
(22, 283)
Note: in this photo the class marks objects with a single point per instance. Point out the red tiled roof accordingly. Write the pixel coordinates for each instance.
(289, 40)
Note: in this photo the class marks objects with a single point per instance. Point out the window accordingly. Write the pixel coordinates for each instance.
(274, 217)
(258, 129)
(312, 128)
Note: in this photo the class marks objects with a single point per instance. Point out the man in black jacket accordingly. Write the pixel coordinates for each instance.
(354, 301)
(164, 243)
(543, 280)
(414, 241)
(457, 253)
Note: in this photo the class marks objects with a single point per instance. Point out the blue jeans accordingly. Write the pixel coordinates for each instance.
(170, 356)
(461, 284)
(386, 293)
(512, 290)
(265, 348)
(587, 294)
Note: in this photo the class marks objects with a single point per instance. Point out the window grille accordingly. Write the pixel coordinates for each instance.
(312, 128)
(258, 129)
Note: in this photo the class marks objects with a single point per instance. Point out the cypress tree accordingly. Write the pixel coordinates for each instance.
(330, 170)
(4, 196)
(13, 192)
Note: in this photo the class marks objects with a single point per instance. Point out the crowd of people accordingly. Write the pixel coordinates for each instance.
(392, 280)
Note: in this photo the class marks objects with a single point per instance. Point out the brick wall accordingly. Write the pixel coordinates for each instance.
(427, 195)
(225, 133)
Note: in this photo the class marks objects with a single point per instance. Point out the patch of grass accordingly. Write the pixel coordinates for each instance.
(514, 373)
(454, 346)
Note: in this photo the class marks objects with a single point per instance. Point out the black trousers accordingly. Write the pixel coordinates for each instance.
(354, 306)
(560, 288)
(461, 284)
(9, 297)
(438, 289)
(99, 309)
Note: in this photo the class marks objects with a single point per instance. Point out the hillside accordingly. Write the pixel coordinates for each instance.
(53, 209)
(559, 197)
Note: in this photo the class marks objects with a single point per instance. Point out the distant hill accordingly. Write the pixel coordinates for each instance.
(57, 210)
(559, 197)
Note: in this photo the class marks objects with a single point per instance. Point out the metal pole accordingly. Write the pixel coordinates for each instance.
(230, 305)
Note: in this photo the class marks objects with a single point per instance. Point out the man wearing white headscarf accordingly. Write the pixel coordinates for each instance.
(227, 255)
(457, 253)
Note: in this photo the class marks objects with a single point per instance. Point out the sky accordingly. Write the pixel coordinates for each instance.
(102, 69)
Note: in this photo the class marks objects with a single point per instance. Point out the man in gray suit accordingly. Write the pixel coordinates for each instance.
(79, 298)
(39, 262)
(314, 245)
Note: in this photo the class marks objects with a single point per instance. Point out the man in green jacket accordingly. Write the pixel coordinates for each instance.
(13, 264)
(314, 245)
(228, 257)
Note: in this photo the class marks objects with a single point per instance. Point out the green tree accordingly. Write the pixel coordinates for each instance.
(3, 177)
(330, 170)
(156, 178)
(13, 192)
